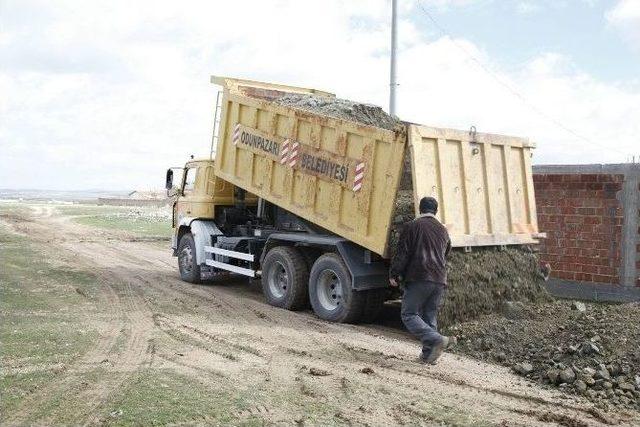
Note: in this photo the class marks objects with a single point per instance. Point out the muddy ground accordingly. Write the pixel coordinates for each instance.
(97, 328)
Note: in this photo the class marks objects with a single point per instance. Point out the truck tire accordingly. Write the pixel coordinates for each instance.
(285, 276)
(375, 299)
(187, 263)
(330, 291)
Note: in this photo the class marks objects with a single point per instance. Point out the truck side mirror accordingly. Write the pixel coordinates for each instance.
(169, 181)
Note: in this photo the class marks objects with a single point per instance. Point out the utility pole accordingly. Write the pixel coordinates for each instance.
(394, 47)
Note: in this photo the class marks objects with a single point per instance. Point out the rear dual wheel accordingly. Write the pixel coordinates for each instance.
(333, 297)
(284, 278)
(288, 283)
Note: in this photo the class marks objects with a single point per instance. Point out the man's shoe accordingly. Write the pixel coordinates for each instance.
(452, 342)
(422, 358)
(436, 350)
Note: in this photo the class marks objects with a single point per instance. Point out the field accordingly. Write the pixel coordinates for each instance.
(97, 329)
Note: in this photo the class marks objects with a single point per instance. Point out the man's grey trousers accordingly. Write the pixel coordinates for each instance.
(420, 304)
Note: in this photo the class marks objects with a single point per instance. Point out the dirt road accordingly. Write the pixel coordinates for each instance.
(259, 364)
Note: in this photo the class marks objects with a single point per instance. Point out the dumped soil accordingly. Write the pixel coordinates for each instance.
(366, 114)
(588, 349)
(479, 282)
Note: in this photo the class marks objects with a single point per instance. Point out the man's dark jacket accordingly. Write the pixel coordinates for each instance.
(422, 251)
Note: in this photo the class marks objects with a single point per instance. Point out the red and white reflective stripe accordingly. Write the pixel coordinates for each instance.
(284, 152)
(236, 134)
(357, 180)
(293, 157)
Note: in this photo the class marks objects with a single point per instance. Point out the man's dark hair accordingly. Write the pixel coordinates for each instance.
(428, 205)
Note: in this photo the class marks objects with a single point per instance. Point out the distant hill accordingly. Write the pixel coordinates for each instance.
(47, 195)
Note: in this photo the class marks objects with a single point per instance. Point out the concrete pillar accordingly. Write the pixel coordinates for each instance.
(630, 199)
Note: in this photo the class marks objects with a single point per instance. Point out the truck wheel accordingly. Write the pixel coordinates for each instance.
(189, 268)
(284, 278)
(330, 291)
(374, 302)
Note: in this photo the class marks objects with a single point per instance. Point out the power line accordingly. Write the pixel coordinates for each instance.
(513, 91)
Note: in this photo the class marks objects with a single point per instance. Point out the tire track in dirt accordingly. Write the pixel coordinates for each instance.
(67, 375)
(125, 309)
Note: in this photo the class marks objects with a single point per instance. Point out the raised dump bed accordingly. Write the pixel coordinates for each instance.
(325, 160)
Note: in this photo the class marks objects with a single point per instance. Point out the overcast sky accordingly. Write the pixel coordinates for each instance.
(108, 94)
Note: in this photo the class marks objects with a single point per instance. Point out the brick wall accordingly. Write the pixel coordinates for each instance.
(583, 220)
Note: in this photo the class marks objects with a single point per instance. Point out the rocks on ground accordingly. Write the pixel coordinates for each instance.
(588, 349)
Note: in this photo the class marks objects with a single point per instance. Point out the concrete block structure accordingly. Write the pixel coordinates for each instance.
(591, 216)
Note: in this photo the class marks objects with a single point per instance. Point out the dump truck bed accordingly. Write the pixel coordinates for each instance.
(344, 176)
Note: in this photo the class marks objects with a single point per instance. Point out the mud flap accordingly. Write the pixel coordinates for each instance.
(202, 232)
(367, 270)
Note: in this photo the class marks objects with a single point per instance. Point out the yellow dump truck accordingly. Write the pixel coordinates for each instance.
(306, 198)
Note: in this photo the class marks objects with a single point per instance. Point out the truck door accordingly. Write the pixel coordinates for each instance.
(184, 205)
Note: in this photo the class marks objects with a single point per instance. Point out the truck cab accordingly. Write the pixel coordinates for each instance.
(199, 197)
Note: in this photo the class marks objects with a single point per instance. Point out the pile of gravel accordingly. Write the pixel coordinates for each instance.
(366, 114)
(587, 349)
(480, 281)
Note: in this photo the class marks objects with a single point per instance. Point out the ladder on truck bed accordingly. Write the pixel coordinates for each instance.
(216, 125)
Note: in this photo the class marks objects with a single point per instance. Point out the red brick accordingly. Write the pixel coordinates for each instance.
(601, 278)
(589, 269)
(610, 178)
(609, 271)
(595, 186)
(587, 252)
(541, 186)
(575, 186)
(592, 220)
(593, 203)
(589, 177)
(586, 211)
(576, 219)
(573, 252)
(612, 187)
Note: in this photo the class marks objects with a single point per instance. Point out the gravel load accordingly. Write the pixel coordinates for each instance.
(588, 349)
(366, 114)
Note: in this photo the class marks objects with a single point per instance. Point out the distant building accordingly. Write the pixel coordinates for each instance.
(138, 198)
(148, 195)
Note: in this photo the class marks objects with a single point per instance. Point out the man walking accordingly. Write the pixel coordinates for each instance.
(420, 261)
